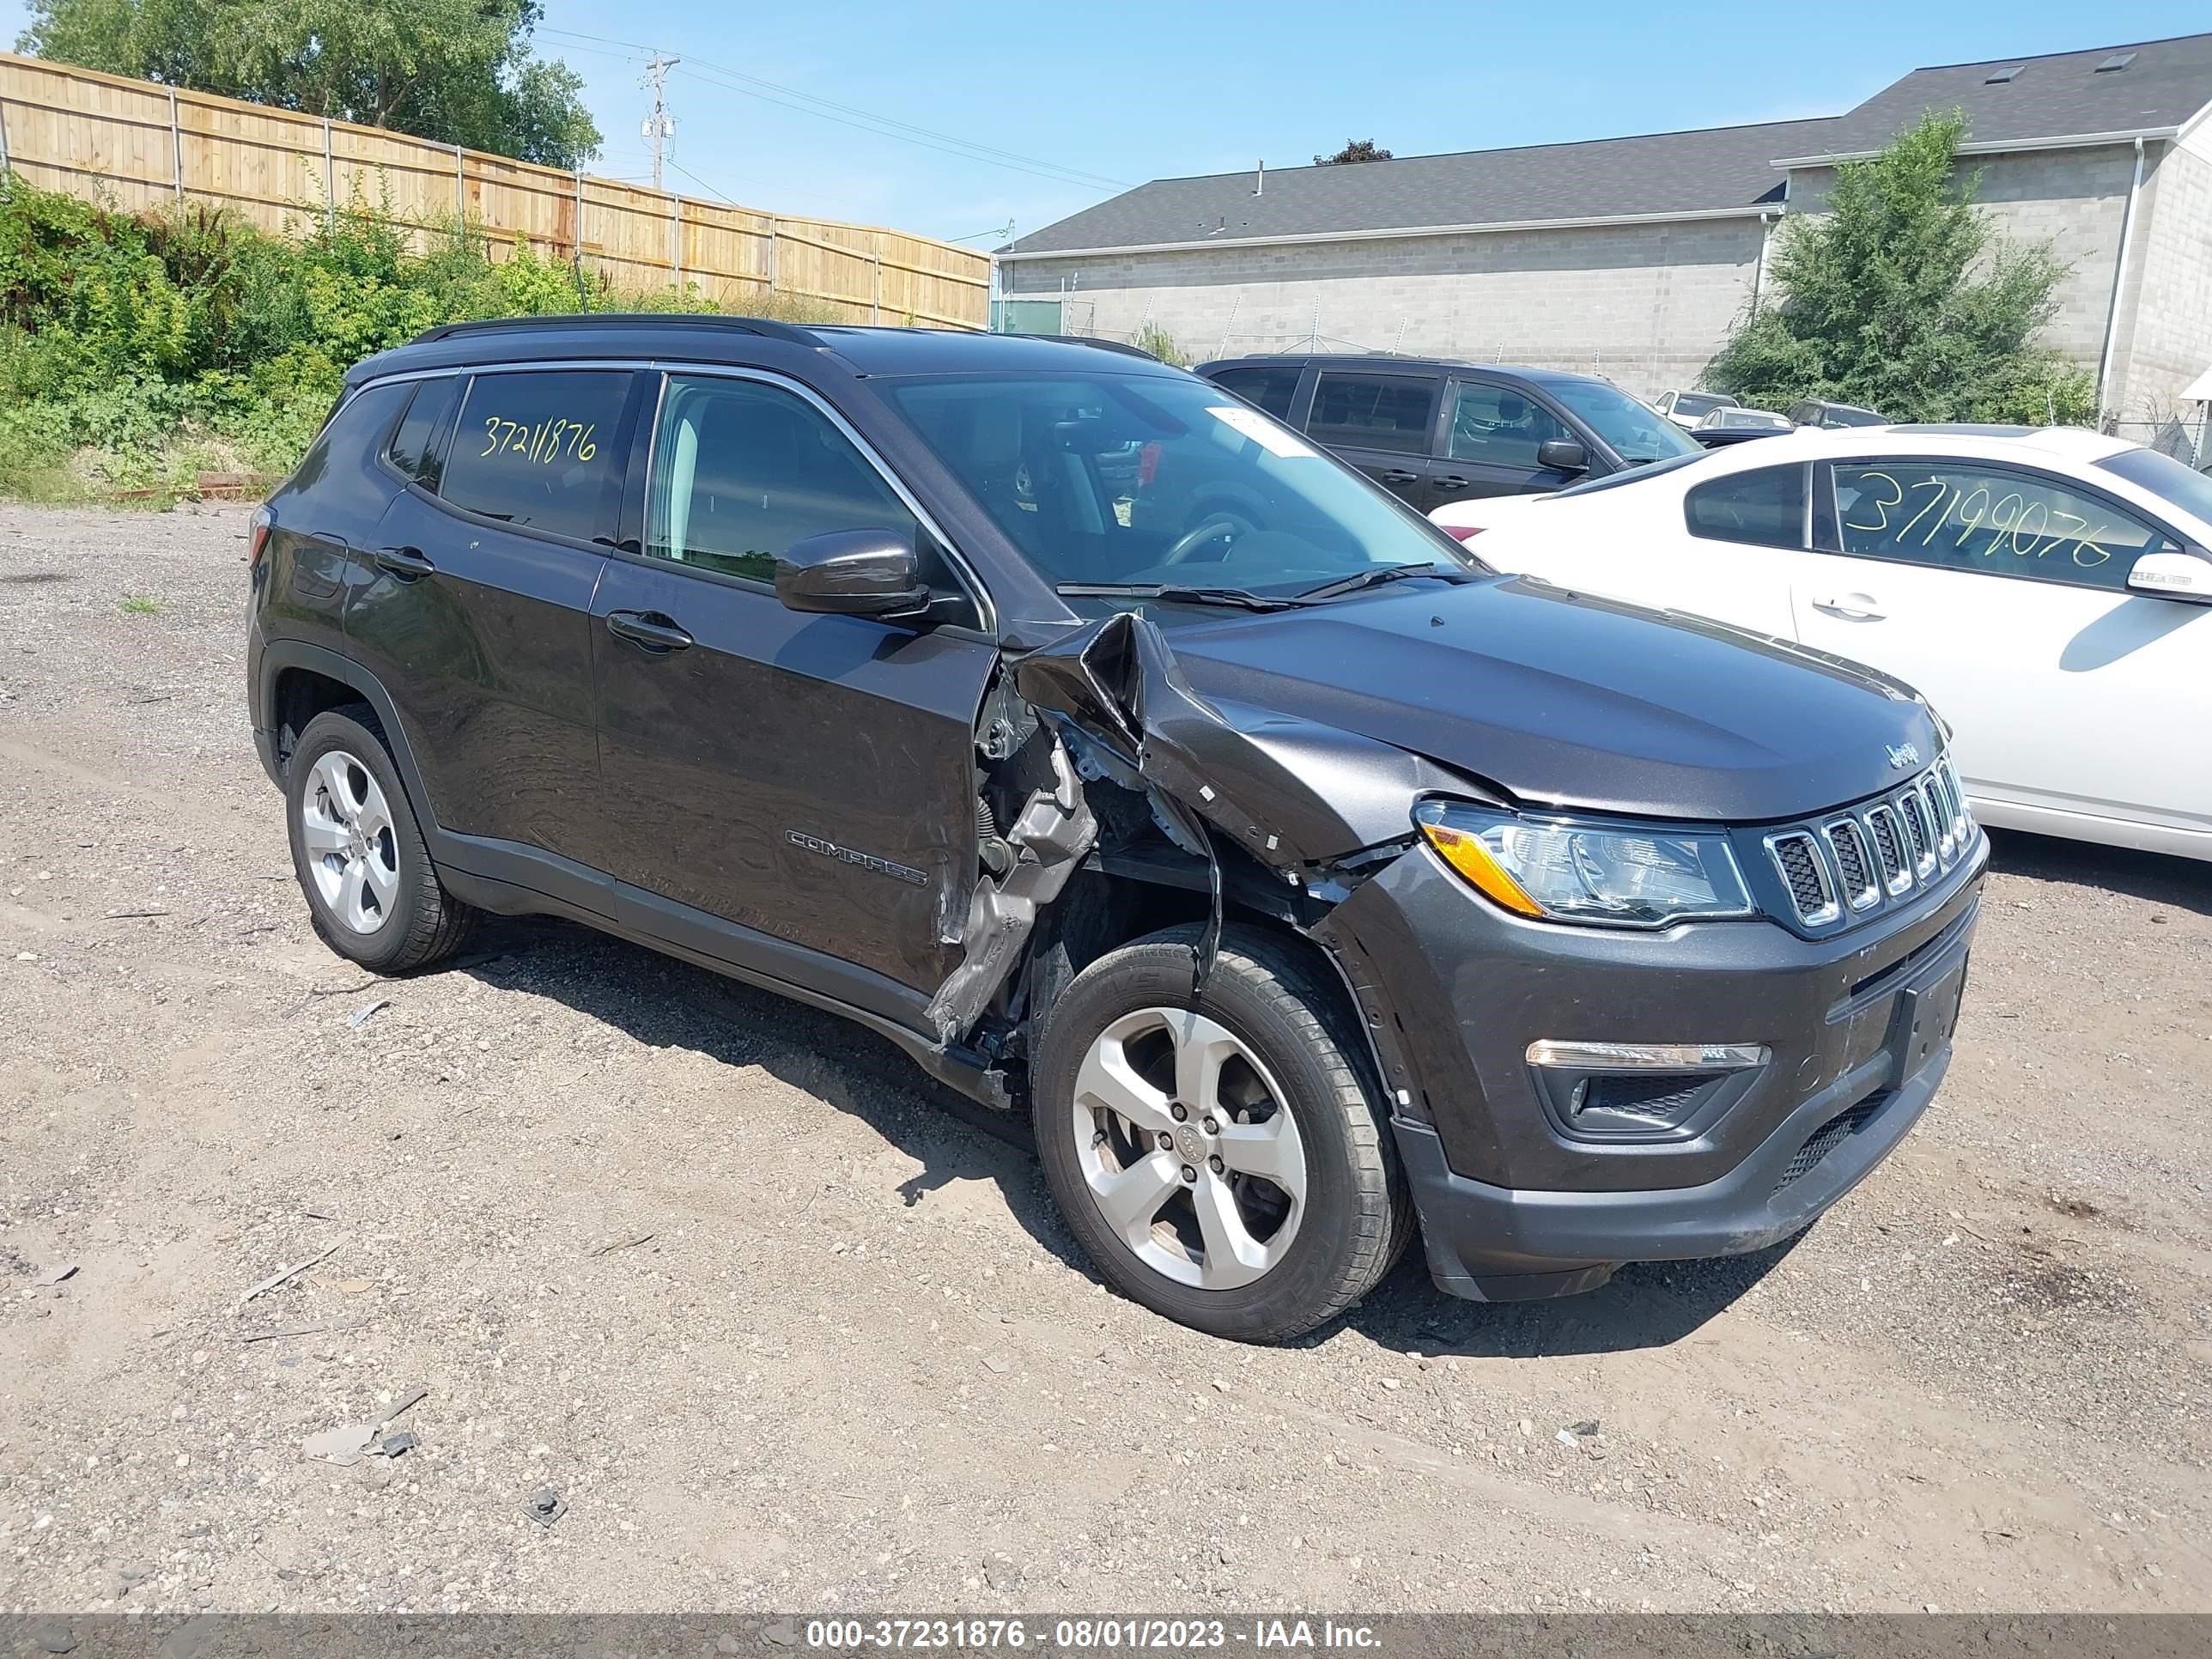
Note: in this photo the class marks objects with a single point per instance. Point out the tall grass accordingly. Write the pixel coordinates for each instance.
(136, 350)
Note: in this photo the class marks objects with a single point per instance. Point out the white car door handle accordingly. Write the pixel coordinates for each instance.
(1852, 607)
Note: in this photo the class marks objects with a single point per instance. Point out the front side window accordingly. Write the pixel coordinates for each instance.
(1139, 479)
(741, 470)
(1986, 519)
(537, 449)
(1373, 411)
(1765, 508)
(1272, 388)
(1634, 431)
(2166, 478)
(1500, 426)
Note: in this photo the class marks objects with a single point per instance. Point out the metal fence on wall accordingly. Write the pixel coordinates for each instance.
(135, 145)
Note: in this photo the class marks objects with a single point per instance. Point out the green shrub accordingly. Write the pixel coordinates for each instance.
(136, 350)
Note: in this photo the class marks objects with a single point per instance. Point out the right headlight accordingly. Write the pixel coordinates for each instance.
(1564, 869)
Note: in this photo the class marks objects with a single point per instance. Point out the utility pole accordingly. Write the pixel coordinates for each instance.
(658, 127)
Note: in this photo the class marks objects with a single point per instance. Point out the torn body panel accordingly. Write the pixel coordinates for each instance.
(1290, 793)
(1054, 830)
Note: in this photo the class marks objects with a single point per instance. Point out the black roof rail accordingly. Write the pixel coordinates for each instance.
(1121, 346)
(760, 325)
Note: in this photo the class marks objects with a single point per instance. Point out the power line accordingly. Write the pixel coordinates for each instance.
(866, 121)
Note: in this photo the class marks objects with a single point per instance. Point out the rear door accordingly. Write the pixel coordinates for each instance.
(475, 610)
(1382, 422)
(2001, 592)
(1492, 431)
(802, 777)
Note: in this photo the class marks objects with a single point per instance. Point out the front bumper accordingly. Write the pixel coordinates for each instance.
(1514, 1202)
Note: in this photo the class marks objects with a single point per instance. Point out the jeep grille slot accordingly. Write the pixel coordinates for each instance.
(1829, 1136)
(1919, 831)
(1798, 856)
(1889, 849)
(1847, 842)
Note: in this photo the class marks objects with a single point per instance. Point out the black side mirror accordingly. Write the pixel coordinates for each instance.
(1562, 455)
(851, 572)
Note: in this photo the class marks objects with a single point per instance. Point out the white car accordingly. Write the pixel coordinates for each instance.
(1686, 409)
(2049, 592)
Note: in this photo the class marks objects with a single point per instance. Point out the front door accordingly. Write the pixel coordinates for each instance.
(475, 609)
(2002, 594)
(806, 778)
(1382, 424)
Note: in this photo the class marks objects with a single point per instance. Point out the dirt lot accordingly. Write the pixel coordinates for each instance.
(788, 1330)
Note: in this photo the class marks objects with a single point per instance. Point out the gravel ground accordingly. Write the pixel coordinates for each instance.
(786, 1327)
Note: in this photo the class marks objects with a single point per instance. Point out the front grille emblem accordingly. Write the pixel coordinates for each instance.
(1902, 756)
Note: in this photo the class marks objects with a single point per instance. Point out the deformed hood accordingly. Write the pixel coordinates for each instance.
(1561, 699)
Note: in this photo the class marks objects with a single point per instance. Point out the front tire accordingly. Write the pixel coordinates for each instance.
(1222, 1161)
(359, 854)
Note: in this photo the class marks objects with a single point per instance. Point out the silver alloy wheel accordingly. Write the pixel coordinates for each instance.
(352, 853)
(1189, 1148)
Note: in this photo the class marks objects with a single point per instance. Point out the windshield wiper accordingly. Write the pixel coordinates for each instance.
(1178, 594)
(1376, 577)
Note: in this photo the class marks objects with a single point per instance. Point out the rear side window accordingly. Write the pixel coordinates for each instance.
(418, 447)
(1374, 411)
(1766, 507)
(538, 450)
(1271, 389)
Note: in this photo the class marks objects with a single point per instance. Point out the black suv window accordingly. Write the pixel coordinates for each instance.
(1766, 507)
(742, 469)
(418, 447)
(1271, 388)
(1497, 424)
(1373, 411)
(1988, 520)
(537, 449)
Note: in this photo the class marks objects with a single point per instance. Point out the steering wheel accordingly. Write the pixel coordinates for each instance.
(1222, 526)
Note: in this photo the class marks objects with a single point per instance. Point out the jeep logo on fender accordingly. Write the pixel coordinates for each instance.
(830, 849)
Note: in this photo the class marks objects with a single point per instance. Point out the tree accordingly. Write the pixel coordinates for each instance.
(1360, 149)
(457, 71)
(1904, 297)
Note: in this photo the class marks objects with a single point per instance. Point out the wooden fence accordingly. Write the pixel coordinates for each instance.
(137, 145)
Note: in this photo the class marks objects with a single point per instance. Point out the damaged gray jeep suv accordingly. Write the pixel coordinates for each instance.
(1131, 763)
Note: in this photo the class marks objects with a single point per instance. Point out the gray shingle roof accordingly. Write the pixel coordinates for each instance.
(1661, 172)
(2058, 96)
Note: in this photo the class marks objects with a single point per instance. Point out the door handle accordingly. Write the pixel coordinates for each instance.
(1453, 481)
(1851, 607)
(405, 562)
(1398, 475)
(648, 630)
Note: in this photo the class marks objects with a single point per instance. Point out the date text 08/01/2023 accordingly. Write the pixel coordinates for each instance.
(1077, 1635)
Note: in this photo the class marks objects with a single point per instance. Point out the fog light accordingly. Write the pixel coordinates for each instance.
(1649, 1056)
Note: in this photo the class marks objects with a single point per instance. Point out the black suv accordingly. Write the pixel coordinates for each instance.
(1303, 880)
(1431, 431)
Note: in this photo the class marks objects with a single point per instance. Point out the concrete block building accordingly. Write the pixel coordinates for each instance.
(1632, 257)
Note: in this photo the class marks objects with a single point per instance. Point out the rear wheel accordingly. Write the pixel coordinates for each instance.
(359, 854)
(1221, 1160)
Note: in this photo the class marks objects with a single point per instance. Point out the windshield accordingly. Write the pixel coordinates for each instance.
(1137, 480)
(1635, 431)
(1700, 403)
(2166, 478)
(1845, 415)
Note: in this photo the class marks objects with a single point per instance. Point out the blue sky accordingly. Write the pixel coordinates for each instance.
(1141, 89)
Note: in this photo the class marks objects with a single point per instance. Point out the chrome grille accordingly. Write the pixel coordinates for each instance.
(1805, 874)
(1885, 848)
(1847, 842)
